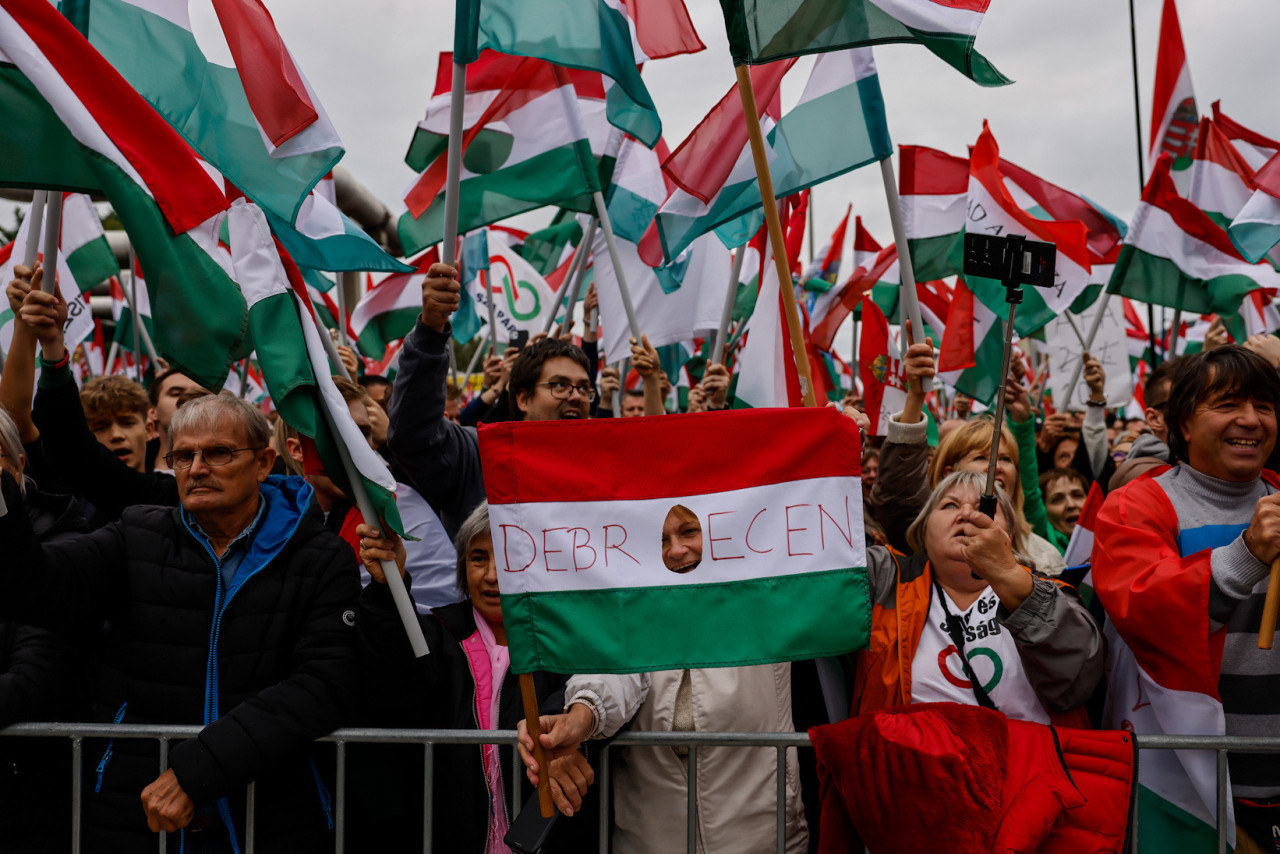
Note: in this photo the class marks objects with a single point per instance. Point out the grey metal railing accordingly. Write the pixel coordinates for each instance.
(428, 738)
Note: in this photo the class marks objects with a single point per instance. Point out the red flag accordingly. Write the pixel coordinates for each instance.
(663, 28)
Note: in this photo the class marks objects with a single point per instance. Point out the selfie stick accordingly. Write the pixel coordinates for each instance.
(1013, 296)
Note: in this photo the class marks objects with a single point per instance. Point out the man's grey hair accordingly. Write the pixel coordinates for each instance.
(978, 483)
(475, 525)
(208, 412)
(11, 442)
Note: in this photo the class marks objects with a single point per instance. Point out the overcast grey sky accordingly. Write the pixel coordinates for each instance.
(1068, 116)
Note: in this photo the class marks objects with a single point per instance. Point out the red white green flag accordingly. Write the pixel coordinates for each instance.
(1174, 117)
(934, 189)
(1255, 230)
(581, 571)
(1175, 255)
(530, 138)
(82, 127)
(390, 308)
(884, 377)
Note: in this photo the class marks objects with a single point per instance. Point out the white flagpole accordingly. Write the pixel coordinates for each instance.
(579, 274)
(906, 272)
(111, 357)
(140, 333)
(1088, 341)
(726, 313)
(453, 175)
(52, 234)
(35, 218)
(131, 297)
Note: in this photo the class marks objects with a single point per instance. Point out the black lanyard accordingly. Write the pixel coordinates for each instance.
(955, 628)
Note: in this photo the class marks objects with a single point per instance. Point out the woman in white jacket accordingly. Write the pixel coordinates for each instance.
(736, 786)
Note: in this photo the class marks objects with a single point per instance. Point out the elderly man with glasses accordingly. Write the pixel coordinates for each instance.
(233, 610)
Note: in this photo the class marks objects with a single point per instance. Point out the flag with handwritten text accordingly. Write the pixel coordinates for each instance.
(638, 544)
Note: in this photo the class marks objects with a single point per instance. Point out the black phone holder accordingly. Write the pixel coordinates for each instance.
(1014, 261)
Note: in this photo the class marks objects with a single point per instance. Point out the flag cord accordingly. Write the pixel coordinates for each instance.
(906, 272)
(776, 242)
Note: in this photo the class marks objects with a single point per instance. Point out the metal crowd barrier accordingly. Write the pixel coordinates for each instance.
(428, 738)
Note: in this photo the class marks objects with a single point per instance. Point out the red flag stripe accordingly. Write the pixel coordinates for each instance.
(534, 461)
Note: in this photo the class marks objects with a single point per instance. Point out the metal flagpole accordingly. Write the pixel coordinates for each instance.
(471, 366)
(141, 337)
(52, 234)
(131, 297)
(579, 275)
(342, 307)
(726, 313)
(111, 357)
(1142, 170)
(453, 175)
(909, 299)
(35, 218)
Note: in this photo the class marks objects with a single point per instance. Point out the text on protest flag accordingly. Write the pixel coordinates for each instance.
(577, 512)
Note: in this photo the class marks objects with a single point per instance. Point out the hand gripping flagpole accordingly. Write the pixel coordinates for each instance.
(906, 270)
(776, 242)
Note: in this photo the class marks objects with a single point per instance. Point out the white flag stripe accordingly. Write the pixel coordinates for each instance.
(757, 532)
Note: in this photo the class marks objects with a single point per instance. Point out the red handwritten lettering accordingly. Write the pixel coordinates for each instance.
(582, 545)
(791, 530)
(747, 539)
(714, 540)
(506, 541)
(547, 552)
(846, 532)
(618, 546)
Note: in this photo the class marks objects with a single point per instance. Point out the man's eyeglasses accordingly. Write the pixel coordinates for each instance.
(215, 456)
(562, 390)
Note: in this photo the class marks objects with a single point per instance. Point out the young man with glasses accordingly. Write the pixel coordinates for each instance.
(440, 459)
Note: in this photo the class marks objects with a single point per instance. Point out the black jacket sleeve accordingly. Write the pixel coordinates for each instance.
(82, 464)
(40, 671)
(440, 459)
(273, 726)
(396, 689)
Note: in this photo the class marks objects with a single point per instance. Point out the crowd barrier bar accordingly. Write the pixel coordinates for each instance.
(428, 738)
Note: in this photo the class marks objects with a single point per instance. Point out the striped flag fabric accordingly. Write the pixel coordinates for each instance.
(123, 314)
(767, 30)
(83, 126)
(293, 361)
(1255, 148)
(843, 83)
(322, 237)
(152, 45)
(826, 263)
(528, 140)
(1174, 117)
(934, 189)
(1175, 255)
(1221, 180)
(583, 582)
(971, 352)
(84, 243)
(767, 374)
(1255, 230)
(390, 309)
(865, 247)
(992, 210)
(591, 35)
(884, 376)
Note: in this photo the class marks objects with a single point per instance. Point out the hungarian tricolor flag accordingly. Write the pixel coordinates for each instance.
(263, 128)
(992, 210)
(1175, 255)
(293, 361)
(577, 517)
(530, 138)
(972, 349)
(933, 187)
(766, 30)
(84, 243)
(79, 126)
(1174, 118)
(1255, 230)
(591, 35)
(390, 309)
(884, 377)
(826, 264)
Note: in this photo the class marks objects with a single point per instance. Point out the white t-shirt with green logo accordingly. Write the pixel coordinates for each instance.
(938, 677)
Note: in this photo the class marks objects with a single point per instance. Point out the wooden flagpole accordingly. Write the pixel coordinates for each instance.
(529, 697)
(1270, 608)
(748, 95)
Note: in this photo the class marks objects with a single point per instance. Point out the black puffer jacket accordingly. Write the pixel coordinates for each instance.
(268, 666)
(438, 691)
(40, 676)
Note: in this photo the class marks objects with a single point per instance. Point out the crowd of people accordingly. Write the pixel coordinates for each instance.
(176, 556)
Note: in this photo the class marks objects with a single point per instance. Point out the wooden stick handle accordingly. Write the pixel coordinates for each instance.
(1270, 608)
(530, 698)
